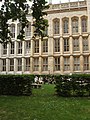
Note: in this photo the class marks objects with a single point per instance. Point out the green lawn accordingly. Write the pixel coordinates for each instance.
(44, 105)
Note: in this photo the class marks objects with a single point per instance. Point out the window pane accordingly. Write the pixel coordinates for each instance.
(11, 64)
(36, 64)
(66, 63)
(57, 63)
(28, 30)
(45, 64)
(27, 67)
(45, 45)
(76, 44)
(84, 24)
(65, 26)
(74, 26)
(57, 45)
(66, 44)
(85, 44)
(37, 46)
(4, 65)
(19, 64)
(56, 26)
(13, 31)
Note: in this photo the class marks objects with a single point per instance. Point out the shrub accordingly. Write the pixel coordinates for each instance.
(16, 84)
(75, 85)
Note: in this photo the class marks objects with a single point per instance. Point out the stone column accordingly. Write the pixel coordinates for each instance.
(81, 44)
(15, 49)
(7, 65)
(15, 65)
(40, 47)
(71, 64)
(61, 26)
(61, 64)
(70, 26)
(89, 43)
(81, 63)
(50, 55)
(31, 57)
(88, 12)
(23, 48)
(89, 62)
(79, 29)
(40, 64)
(71, 45)
(23, 65)
(32, 47)
(0, 50)
(31, 64)
(1, 65)
(61, 46)
(8, 50)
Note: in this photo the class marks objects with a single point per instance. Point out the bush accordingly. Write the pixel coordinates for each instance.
(16, 84)
(75, 85)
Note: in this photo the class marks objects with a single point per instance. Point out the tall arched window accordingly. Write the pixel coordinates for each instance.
(12, 29)
(65, 25)
(84, 24)
(56, 26)
(28, 30)
(19, 27)
(74, 25)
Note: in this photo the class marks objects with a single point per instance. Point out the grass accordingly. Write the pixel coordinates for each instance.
(44, 105)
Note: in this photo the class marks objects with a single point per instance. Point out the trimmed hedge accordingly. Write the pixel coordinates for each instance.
(74, 85)
(16, 84)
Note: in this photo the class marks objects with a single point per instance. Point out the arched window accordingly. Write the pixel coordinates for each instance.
(28, 30)
(65, 25)
(19, 27)
(12, 29)
(56, 26)
(74, 25)
(84, 24)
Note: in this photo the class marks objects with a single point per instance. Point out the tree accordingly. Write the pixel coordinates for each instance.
(18, 9)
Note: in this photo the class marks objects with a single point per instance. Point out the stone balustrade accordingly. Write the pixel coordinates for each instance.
(68, 5)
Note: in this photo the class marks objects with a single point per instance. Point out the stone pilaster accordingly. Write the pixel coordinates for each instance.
(23, 48)
(15, 65)
(81, 63)
(88, 11)
(71, 45)
(89, 43)
(61, 26)
(61, 46)
(8, 50)
(0, 50)
(81, 44)
(50, 55)
(61, 64)
(40, 47)
(50, 65)
(31, 65)
(7, 65)
(71, 64)
(70, 26)
(32, 47)
(23, 65)
(15, 49)
(79, 28)
(40, 65)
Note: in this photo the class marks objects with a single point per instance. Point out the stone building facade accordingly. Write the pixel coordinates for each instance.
(66, 50)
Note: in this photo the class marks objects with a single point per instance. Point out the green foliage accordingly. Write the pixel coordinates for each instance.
(75, 85)
(38, 14)
(18, 9)
(16, 84)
